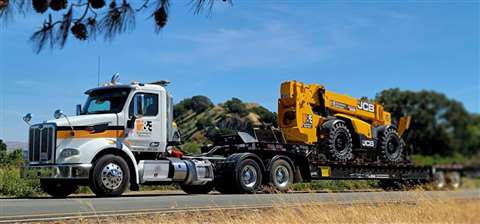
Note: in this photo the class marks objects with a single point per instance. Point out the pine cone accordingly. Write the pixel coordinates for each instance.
(40, 6)
(79, 30)
(3, 4)
(57, 5)
(96, 4)
(161, 17)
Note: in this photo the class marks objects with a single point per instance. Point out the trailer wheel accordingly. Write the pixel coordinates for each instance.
(339, 142)
(248, 176)
(58, 188)
(110, 176)
(438, 180)
(390, 145)
(197, 189)
(281, 175)
(453, 180)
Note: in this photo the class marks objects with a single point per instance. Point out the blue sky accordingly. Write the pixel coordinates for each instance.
(248, 49)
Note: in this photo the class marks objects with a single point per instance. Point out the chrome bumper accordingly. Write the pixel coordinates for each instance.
(67, 171)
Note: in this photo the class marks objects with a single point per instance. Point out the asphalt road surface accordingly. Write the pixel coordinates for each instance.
(38, 209)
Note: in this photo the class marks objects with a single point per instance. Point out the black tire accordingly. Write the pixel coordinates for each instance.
(110, 176)
(281, 175)
(390, 146)
(339, 142)
(248, 176)
(197, 189)
(438, 181)
(58, 188)
(453, 180)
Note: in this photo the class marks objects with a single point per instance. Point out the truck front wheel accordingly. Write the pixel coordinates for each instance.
(110, 176)
(58, 188)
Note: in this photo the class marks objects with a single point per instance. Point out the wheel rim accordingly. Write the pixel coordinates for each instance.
(341, 143)
(249, 176)
(112, 176)
(282, 176)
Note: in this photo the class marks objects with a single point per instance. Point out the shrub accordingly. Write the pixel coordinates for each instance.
(191, 147)
(235, 105)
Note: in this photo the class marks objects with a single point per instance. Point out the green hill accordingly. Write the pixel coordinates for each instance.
(199, 120)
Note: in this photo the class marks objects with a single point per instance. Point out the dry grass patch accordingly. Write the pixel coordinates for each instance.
(425, 210)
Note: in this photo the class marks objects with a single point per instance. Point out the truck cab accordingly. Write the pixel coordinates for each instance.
(122, 137)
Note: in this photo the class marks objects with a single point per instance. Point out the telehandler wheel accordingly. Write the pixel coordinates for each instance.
(110, 176)
(390, 146)
(58, 188)
(339, 142)
(197, 189)
(281, 175)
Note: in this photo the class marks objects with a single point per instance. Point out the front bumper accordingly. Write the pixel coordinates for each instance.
(65, 171)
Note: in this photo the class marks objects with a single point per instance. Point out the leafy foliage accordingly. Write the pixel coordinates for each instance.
(439, 125)
(266, 116)
(80, 17)
(235, 105)
(197, 104)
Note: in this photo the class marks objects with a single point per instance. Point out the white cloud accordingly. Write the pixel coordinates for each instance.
(271, 44)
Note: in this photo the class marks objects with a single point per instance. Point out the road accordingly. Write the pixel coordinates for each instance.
(37, 209)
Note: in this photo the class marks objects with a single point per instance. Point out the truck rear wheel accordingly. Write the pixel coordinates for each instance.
(248, 176)
(390, 146)
(281, 175)
(339, 142)
(58, 188)
(110, 176)
(197, 189)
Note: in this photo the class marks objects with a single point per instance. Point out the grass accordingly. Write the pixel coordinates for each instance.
(425, 210)
(11, 184)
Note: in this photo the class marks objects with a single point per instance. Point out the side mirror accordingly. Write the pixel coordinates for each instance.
(78, 109)
(138, 105)
(58, 114)
(27, 118)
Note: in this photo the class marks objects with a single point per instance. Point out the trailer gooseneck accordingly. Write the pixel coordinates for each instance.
(124, 136)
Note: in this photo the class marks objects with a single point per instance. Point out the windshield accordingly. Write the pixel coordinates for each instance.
(106, 101)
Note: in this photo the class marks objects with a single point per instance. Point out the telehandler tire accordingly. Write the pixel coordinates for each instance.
(390, 146)
(339, 142)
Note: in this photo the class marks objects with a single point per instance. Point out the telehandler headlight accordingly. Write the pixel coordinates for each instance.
(69, 152)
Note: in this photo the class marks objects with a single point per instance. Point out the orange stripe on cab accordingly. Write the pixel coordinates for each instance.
(88, 134)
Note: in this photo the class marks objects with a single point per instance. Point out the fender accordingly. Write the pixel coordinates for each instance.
(286, 158)
(126, 154)
(360, 127)
(241, 156)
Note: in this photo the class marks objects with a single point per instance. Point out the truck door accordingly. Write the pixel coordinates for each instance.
(144, 127)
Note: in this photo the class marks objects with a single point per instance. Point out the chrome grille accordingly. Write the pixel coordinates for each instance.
(41, 143)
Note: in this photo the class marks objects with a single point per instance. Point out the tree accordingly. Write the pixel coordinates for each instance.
(3, 146)
(198, 104)
(439, 125)
(266, 116)
(82, 19)
(235, 105)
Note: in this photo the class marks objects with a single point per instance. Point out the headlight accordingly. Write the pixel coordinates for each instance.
(69, 152)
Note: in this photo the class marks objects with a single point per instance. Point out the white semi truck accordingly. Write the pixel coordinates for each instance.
(124, 136)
